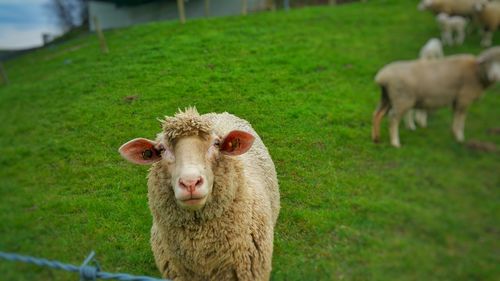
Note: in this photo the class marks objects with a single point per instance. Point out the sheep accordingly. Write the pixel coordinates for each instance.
(426, 84)
(450, 25)
(488, 16)
(433, 49)
(451, 7)
(214, 197)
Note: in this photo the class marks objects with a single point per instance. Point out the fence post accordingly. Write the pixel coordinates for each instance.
(270, 5)
(182, 13)
(207, 8)
(286, 4)
(102, 40)
(3, 74)
(244, 7)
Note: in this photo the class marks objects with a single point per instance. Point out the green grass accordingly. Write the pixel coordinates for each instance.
(351, 210)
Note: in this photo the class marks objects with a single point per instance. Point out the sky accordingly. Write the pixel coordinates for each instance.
(22, 23)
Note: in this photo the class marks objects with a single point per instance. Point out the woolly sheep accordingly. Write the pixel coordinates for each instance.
(426, 84)
(450, 25)
(450, 7)
(214, 197)
(433, 49)
(488, 16)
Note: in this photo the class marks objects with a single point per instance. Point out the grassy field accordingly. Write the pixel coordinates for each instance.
(351, 210)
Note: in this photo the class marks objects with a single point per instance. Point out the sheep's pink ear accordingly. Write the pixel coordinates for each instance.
(140, 151)
(236, 143)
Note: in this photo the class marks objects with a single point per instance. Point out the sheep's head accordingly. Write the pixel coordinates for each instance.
(489, 61)
(442, 18)
(189, 149)
(479, 5)
(424, 4)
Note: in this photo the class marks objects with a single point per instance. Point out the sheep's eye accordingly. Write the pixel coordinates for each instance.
(217, 143)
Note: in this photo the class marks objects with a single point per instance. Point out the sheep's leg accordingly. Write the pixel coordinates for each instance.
(447, 37)
(458, 124)
(379, 113)
(377, 119)
(395, 118)
(451, 41)
(487, 38)
(469, 28)
(444, 37)
(421, 117)
(409, 121)
(460, 36)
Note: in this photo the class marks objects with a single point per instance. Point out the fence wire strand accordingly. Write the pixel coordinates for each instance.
(86, 271)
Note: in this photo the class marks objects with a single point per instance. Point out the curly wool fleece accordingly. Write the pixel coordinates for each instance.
(187, 123)
(231, 238)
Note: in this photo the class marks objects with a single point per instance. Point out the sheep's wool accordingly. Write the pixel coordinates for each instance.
(185, 123)
(231, 237)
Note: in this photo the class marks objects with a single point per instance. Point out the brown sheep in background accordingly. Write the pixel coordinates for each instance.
(488, 16)
(214, 197)
(427, 84)
(450, 7)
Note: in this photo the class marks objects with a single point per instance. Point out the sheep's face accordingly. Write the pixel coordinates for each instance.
(442, 18)
(489, 62)
(191, 171)
(424, 4)
(493, 71)
(479, 6)
(189, 160)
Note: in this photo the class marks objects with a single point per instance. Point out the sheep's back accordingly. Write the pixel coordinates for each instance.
(434, 83)
(491, 15)
(455, 7)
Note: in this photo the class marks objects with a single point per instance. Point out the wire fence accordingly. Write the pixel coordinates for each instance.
(90, 269)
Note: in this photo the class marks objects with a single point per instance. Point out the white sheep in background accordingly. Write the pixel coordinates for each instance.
(433, 49)
(451, 25)
(488, 16)
(214, 197)
(427, 84)
(451, 7)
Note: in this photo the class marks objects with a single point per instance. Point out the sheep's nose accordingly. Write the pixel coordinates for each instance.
(190, 184)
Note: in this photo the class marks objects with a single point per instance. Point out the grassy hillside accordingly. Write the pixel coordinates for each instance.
(351, 210)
